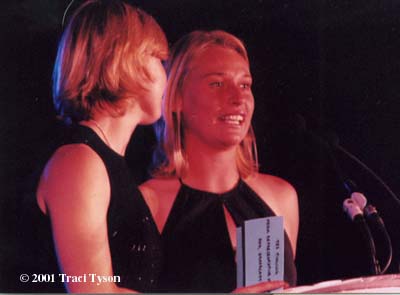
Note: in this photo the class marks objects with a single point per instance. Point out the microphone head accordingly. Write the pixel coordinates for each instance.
(369, 210)
(360, 199)
(351, 208)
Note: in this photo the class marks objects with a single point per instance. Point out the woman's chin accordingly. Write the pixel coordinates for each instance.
(149, 119)
(231, 141)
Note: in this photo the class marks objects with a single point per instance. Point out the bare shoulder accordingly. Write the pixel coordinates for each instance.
(72, 155)
(160, 186)
(72, 162)
(73, 173)
(269, 186)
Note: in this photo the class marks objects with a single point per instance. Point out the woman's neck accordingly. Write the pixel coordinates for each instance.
(210, 169)
(114, 131)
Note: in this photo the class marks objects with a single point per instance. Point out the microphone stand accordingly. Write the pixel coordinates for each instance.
(374, 220)
(372, 216)
(377, 225)
(353, 208)
(366, 233)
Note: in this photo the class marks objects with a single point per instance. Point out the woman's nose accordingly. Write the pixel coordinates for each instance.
(235, 95)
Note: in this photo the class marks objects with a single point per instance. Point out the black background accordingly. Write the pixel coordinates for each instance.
(334, 63)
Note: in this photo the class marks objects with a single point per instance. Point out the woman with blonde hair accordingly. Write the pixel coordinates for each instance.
(208, 183)
(108, 78)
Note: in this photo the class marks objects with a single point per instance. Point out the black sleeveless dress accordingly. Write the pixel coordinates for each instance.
(197, 248)
(133, 236)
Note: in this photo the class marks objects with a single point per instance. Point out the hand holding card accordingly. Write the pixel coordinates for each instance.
(260, 251)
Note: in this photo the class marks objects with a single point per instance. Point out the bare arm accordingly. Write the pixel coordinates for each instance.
(75, 192)
(288, 207)
(262, 287)
(282, 199)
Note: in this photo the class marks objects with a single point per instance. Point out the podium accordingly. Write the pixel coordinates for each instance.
(374, 284)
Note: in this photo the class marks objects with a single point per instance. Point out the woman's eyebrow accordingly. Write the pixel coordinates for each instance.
(247, 75)
(212, 74)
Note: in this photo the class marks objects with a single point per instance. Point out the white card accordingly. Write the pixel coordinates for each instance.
(260, 251)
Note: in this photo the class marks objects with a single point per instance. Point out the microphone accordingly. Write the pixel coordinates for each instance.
(355, 212)
(357, 199)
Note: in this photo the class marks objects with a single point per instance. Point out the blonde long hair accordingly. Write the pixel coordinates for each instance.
(101, 59)
(170, 156)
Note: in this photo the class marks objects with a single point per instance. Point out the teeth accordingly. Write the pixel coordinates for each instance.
(233, 119)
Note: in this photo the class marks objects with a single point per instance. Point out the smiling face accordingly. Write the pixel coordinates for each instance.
(217, 101)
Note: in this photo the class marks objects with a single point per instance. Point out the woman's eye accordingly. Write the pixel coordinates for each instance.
(245, 85)
(216, 84)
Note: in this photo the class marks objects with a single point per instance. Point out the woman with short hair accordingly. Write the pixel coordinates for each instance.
(108, 78)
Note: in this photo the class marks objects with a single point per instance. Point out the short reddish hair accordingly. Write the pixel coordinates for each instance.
(101, 59)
